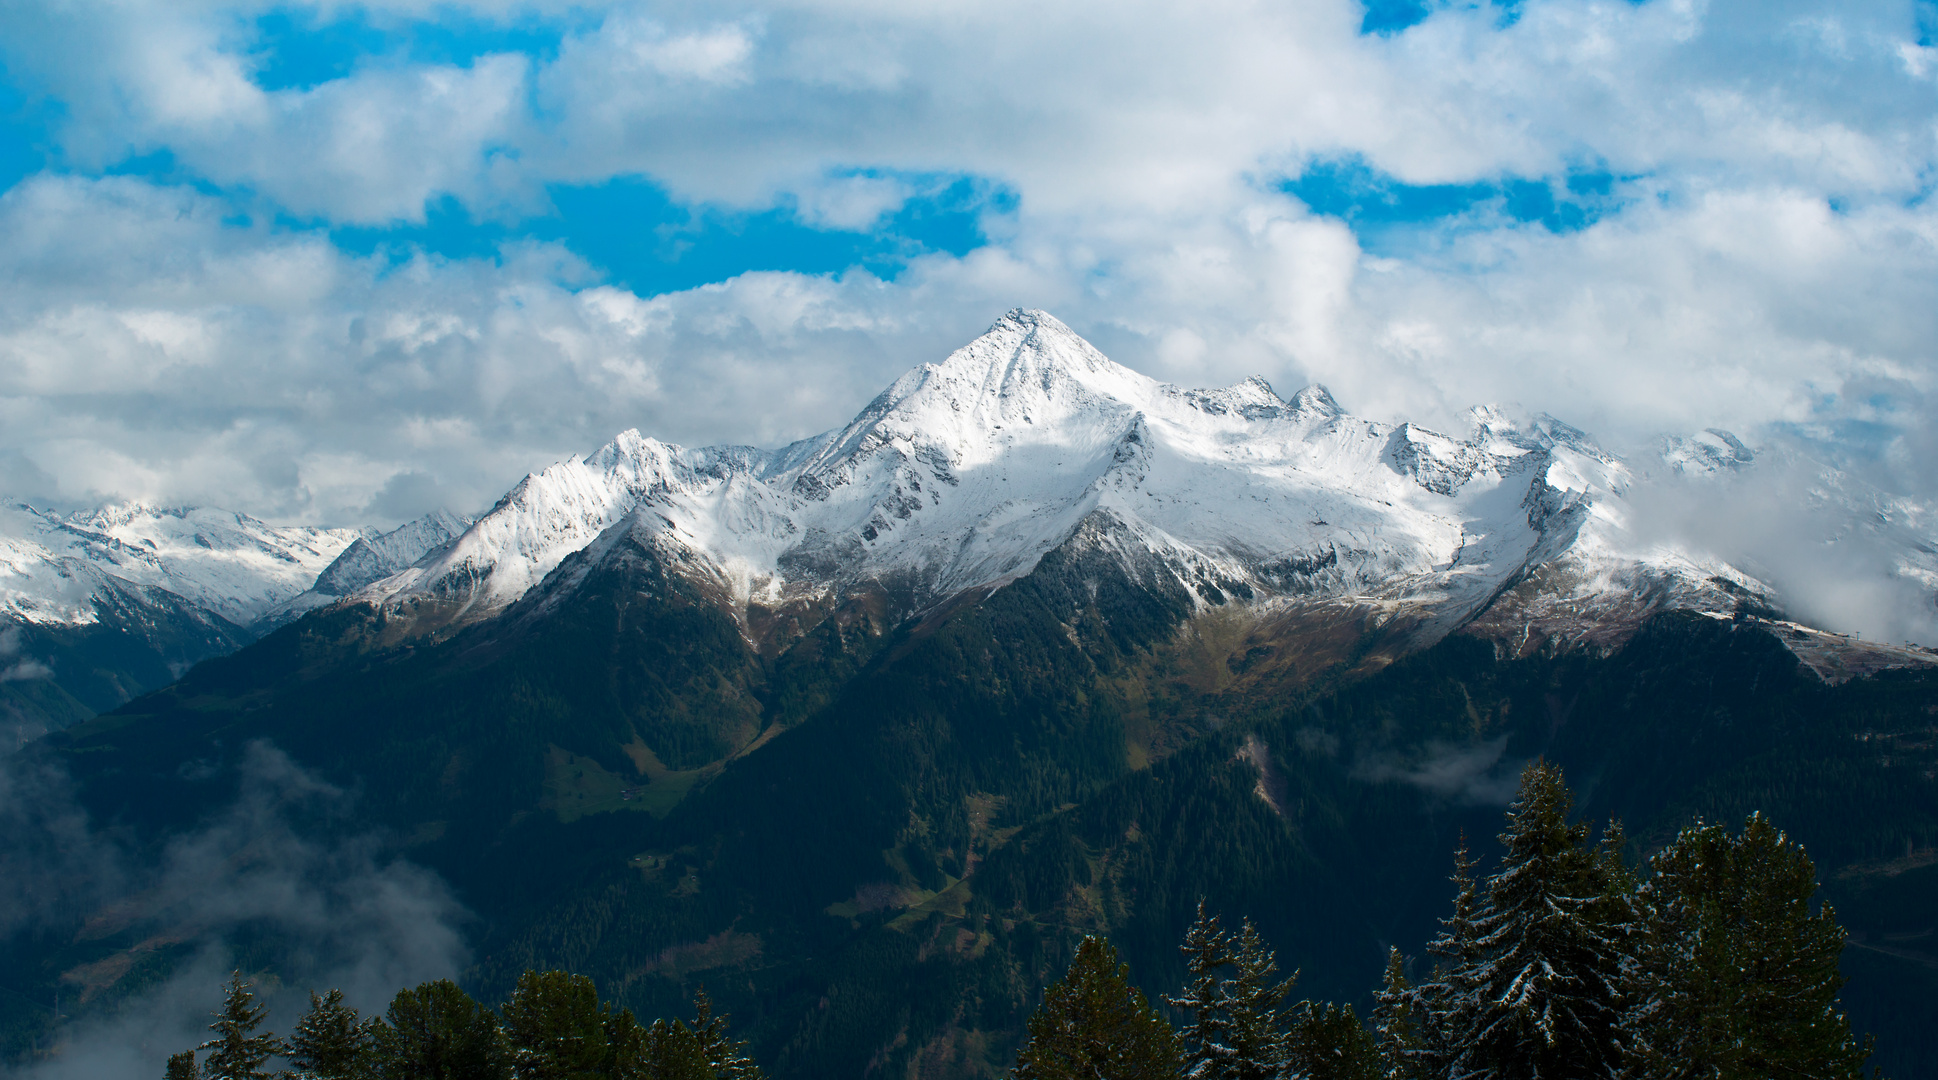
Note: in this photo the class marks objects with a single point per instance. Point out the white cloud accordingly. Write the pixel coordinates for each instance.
(851, 202)
(14, 667)
(716, 54)
(1080, 106)
(148, 348)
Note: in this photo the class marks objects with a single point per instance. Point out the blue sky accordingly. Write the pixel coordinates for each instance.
(302, 259)
(635, 233)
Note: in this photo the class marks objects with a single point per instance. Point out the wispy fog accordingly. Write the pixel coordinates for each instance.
(270, 876)
(14, 666)
(1471, 775)
(1842, 555)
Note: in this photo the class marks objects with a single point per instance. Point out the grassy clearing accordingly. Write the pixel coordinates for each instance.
(576, 785)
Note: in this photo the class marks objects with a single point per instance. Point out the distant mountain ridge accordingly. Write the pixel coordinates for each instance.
(107, 603)
(226, 563)
(371, 557)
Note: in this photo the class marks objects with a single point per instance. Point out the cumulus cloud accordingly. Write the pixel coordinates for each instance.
(335, 912)
(1764, 257)
(1080, 106)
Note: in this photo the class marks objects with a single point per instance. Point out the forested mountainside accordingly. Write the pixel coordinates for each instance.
(1711, 959)
(875, 847)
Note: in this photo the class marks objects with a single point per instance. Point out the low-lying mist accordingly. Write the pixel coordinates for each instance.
(1464, 775)
(269, 884)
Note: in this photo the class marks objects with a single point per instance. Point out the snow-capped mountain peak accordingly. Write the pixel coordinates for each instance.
(1315, 403)
(373, 556)
(965, 473)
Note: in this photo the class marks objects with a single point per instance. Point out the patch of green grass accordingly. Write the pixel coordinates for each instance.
(951, 901)
(664, 792)
(576, 785)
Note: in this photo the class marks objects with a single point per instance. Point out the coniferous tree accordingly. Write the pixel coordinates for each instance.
(628, 1042)
(435, 1031)
(1327, 1042)
(1255, 1009)
(1535, 987)
(331, 1043)
(1449, 1000)
(182, 1067)
(237, 1052)
(1237, 1031)
(1396, 1025)
(671, 1051)
(726, 1057)
(1206, 1040)
(678, 1050)
(1095, 1025)
(1738, 977)
(556, 1028)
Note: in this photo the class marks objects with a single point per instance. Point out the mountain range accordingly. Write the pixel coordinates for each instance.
(861, 731)
(960, 477)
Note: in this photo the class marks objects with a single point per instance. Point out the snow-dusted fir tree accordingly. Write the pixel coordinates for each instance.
(1737, 975)
(1397, 1030)
(556, 1028)
(1449, 999)
(1237, 1005)
(436, 1029)
(1255, 1009)
(182, 1067)
(1326, 1041)
(1206, 1039)
(331, 1042)
(1535, 977)
(237, 1052)
(726, 1057)
(667, 1050)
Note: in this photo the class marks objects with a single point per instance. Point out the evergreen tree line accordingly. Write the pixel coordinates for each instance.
(552, 1028)
(1707, 963)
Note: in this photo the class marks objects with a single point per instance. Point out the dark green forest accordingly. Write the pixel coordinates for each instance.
(875, 843)
(1710, 961)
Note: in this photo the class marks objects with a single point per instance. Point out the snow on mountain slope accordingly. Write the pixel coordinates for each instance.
(378, 555)
(52, 566)
(1708, 451)
(551, 514)
(964, 474)
(372, 557)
